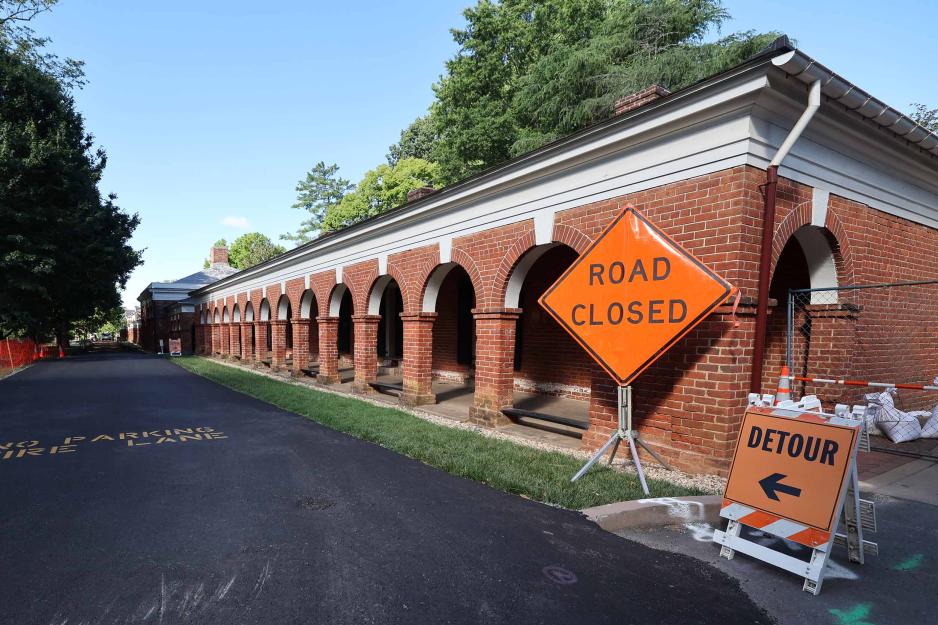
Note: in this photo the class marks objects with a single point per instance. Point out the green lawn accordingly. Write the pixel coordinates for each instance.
(540, 475)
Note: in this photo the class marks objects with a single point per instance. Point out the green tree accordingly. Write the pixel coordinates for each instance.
(417, 141)
(64, 248)
(381, 189)
(924, 116)
(18, 38)
(321, 190)
(252, 248)
(530, 71)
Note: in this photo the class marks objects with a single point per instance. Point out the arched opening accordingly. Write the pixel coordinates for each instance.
(236, 332)
(450, 294)
(285, 313)
(808, 261)
(552, 373)
(247, 336)
(264, 348)
(386, 300)
(341, 306)
(224, 315)
(309, 309)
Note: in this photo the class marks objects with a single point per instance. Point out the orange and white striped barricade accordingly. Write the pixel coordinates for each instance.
(793, 474)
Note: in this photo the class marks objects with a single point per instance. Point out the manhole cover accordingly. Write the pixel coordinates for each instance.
(314, 503)
(559, 575)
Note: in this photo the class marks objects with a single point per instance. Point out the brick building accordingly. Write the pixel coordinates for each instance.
(165, 311)
(445, 287)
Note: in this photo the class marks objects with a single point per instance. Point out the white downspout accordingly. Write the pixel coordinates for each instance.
(814, 103)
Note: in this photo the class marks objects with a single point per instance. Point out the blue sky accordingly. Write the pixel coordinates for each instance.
(211, 111)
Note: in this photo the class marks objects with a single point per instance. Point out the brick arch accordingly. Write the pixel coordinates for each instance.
(413, 282)
(572, 237)
(466, 261)
(836, 234)
(518, 249)
(332, 291)
(843, 255)
(322, 285)
(799, 216)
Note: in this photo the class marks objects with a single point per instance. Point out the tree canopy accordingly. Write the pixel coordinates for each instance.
(381, 189)
(252, 248)
(530, 71)
(320, 190)
(64, 247)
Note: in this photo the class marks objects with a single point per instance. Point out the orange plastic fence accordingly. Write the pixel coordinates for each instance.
(15, 353)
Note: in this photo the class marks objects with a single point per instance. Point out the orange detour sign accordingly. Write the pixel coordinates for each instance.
(792, 468)
(632, 295)
(793, 476)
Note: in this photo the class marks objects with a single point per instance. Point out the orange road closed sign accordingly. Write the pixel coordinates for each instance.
(793, 465)
(632, 295)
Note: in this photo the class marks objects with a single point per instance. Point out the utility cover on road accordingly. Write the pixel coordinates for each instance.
(793, 468)
(632, 295)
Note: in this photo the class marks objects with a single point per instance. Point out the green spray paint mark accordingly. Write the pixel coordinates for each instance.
(853, 616)
(910, 564)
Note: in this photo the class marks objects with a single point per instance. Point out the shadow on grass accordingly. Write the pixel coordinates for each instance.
(536, 474)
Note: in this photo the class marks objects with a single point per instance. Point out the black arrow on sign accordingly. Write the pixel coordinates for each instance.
(772, 484)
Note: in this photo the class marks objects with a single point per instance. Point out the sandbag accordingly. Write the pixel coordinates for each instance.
(898, 426)
(930, 429)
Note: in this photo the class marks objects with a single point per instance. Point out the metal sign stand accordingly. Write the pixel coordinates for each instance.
(857, 515)
(624, 432)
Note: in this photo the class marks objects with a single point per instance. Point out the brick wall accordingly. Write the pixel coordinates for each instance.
(691, 401)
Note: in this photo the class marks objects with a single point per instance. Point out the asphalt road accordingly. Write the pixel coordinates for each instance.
(224, 509)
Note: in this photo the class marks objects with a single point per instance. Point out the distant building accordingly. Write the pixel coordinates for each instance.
(132, 319)
(165, 311)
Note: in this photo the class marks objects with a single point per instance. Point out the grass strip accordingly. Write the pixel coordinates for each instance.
(533, 473)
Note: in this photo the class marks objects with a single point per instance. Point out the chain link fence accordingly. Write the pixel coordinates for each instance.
(872, 344)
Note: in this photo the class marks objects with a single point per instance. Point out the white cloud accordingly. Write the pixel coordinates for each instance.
(234, 221)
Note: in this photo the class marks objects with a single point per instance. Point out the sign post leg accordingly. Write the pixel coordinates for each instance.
(599, 454)
(623, 432)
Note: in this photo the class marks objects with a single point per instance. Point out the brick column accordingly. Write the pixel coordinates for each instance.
(300, 346)
(235, 341)
(278, 344)
(366, 351)
(260, 342)
(197, 348)
(495, 358)
(328, 350)
(216, 338)
(225, 338)
(418, 358)
(247, 345)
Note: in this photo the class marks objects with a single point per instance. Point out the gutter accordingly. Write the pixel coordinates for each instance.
(768, 233)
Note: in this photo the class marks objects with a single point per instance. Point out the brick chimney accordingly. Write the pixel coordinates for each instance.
(219, 256)
(643, 97)
(415, 194)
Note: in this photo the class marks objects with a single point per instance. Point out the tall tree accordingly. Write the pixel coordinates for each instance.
(319, 191)
(17, 37)
(529, 71)
(252, 248)
(64, 248)
(417, 141)
(381, 189)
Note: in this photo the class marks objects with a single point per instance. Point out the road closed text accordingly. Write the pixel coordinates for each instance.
(634, 312)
